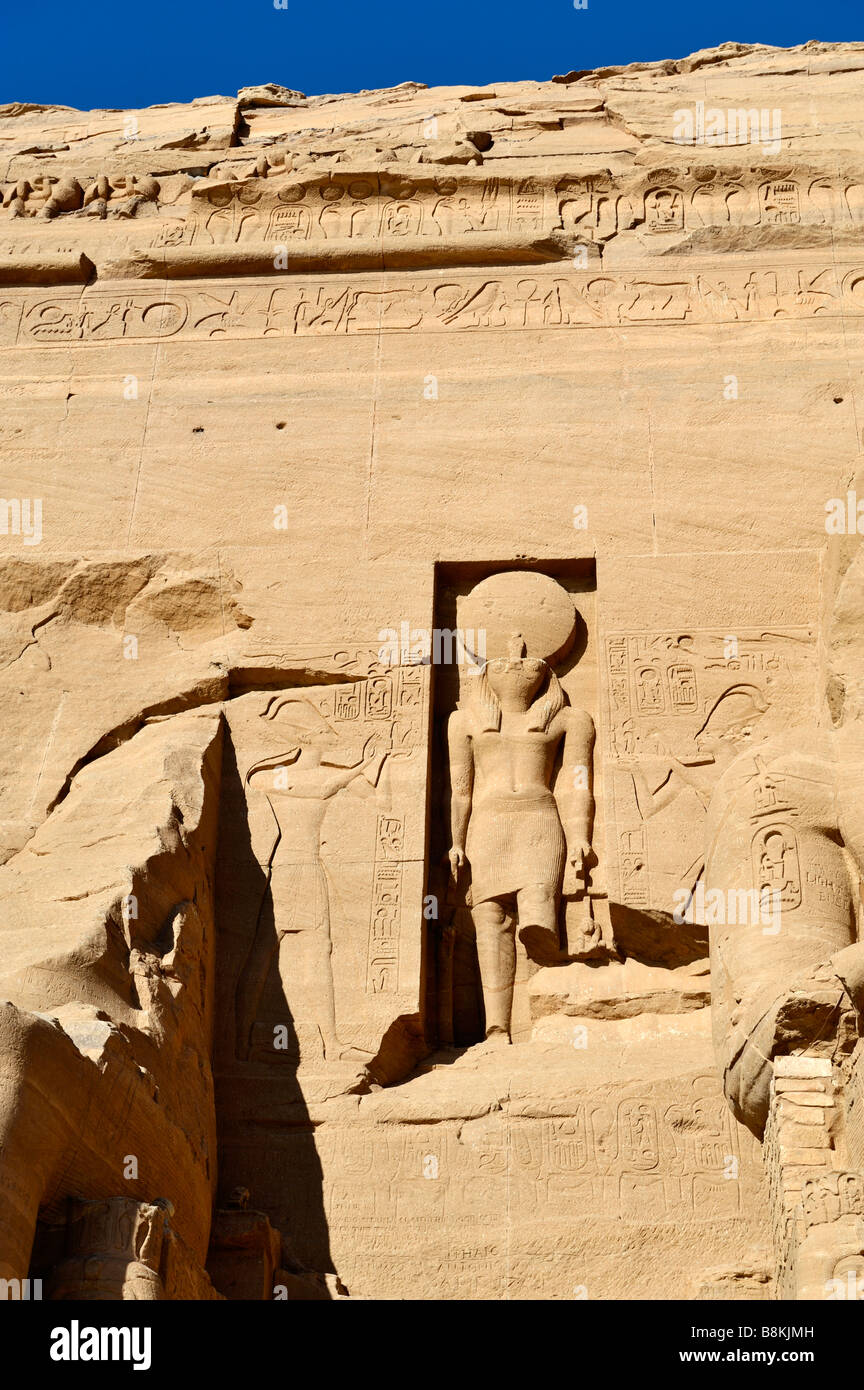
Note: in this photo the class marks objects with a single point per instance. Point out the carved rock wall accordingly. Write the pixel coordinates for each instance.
(281, 377)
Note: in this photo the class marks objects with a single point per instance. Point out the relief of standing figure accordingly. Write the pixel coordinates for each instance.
(299, 784)
(506, 821)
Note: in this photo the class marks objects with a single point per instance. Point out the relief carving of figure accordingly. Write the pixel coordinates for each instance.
(299, 784)
(508, 825)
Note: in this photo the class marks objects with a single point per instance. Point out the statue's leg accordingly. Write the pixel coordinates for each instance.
(496, 955)
(320, 987)
(321, 944)
(538, 922)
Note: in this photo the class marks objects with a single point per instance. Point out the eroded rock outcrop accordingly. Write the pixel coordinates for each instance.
(107, 948)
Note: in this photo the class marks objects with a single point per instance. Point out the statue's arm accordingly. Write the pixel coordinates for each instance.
(368, 766)
(651, 799)
(461, 784)
(575, 785)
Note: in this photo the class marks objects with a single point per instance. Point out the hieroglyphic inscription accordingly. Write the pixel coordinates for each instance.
(776, 866)
(268, 202)
(367, 208)
(656, 1133)
(650, 674)
(521, 1188)
(382, 969)
(540, 299)
(829, 1196)
(665, 693)
(378, 206)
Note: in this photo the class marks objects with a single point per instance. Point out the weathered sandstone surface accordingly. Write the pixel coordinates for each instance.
(340, 956)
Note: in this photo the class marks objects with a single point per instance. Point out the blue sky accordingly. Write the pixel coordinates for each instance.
(139, 52)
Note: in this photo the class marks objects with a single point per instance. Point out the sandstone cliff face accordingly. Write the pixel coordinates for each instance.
(285, 381)
(401, 176)
(108, 942)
